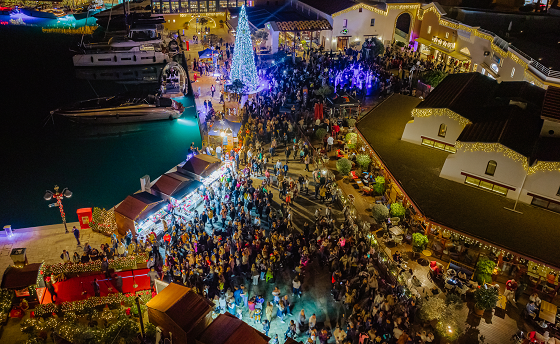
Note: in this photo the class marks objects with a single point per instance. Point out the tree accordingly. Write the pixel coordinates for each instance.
(432, 77)
(484, 269)
(351, 139)
(243, 65)
(324, 91)
(419, 242)
(379, 186)
(363, 160)
(343, 166)
(320, 133)
(237, 86)
(260, 36)
(380, 213)
(103, 221)
(397, 210)
(203, 21)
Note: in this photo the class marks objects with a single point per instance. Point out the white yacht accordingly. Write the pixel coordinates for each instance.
(142, 46)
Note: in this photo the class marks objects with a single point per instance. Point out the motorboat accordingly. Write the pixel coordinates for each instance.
(45, 13)
(122, 74)
(121, 109)
(143, 45)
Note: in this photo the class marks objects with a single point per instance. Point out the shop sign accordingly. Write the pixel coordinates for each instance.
(442, 43)
(344, 31)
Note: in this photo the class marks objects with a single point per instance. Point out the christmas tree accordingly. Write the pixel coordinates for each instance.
(243, 66)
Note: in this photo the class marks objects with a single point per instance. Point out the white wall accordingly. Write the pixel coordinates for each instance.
(545, 184)
(359, 26)
(429, 127)
(508, 172)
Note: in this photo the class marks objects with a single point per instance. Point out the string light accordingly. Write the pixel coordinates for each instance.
(119, 263)
(103, 221)
(490, 148)
(440, 112)
(414, 7)
(243, 64)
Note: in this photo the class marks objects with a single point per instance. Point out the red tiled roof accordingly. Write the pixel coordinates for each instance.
(305, 25)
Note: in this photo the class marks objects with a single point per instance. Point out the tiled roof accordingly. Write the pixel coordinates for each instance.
(329, 6)
(307, 25)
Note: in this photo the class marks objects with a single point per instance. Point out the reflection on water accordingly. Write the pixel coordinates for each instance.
(101, 165)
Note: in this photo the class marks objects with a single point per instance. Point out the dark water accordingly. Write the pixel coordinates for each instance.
(100, 165)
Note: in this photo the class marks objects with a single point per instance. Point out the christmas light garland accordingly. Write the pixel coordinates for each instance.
(103, 221)
(119, 263)
(440, 112)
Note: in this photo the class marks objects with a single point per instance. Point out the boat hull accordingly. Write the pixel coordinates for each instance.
(37, 14)
(120, 59)
(120, 115)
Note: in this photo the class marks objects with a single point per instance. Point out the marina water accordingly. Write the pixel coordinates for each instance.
(101, 165)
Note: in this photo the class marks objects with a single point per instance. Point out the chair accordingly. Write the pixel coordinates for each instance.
(395, 220)
(449, 286)
(398, 239)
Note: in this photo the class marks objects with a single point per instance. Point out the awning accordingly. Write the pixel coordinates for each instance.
(19, 278)
(200, 166)
(423, 41)
(454, 54)
(458, 56)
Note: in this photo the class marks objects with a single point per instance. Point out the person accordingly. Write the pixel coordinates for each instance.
(288, 305)
(301, 322)
(118, 282)
(76, 258)
(76, 232)
(96, 288)
(84, 258)
(339, 335)
(266, 327)
(536, 299)
(532, 309)
(212, 89)
(291, 331)
(275, 340)
(296, 287)
(153, 276)
(105, 267)
(65, 256)
(330, 142)
(50, 288)
(509, 293)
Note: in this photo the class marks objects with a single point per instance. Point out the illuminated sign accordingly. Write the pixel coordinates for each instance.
(344, 31)
(442, 43)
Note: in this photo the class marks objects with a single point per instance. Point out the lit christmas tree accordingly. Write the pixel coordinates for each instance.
(243, 66)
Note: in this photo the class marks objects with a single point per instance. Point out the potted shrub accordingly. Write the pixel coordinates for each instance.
(351, 140)
(485, 299)
(380, 213)
(379, 186)
(484, 270)
(320, 133)
(397, 210)
(419, 242)
(343, 166)
(363, 160)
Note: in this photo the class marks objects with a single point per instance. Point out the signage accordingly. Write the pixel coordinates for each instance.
(442, 43)
(344, 31)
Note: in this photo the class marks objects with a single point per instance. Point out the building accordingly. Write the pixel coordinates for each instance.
(477, 216)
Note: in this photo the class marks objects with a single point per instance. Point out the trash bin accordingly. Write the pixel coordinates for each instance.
(84, 216)
(18, 256)
(8, 231)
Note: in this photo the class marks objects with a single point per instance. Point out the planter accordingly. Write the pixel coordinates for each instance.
(479, 312)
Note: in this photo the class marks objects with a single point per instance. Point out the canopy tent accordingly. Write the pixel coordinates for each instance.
(181, 311)
(199, 166)
(318, 111)
(135, 208)
(345, 100)
(227, 329)
(207, 53)
(224, 124)
(172, 185)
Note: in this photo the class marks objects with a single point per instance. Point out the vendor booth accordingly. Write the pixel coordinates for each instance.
(180, 311)
(136, 209)
(344, 103)
(227, 329)
(174, 185)
(200, 167)
(23, 281)
(223, 132)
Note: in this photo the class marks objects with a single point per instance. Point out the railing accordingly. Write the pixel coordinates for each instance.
(400, 33)
(547, 72)
(487, 32)
(501, 43)
(519, 52)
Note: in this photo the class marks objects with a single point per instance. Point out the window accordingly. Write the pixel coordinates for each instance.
(442, 130)
(345, 23)
(438, 145)
(545, 203)
(360, 10)
(429, 29)
(558, 192)
(486, 185)
(494, 67)
(447, 35)
(512, 71)
(491, 167)
(372, 23)
(483, 71)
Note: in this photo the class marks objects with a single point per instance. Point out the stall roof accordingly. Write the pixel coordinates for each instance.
(19, 278)
(133, 206)
(206, 54)
(201, 165)
(223, 125)
(181, 305)
(227, 329)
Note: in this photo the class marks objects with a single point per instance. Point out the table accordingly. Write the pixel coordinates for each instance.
(396, 230)
(427, 253)
(548, 312)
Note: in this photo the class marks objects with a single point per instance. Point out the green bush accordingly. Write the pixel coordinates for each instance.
(351, 123)
(380, 213)
(343, 166)
(397, 210)
(432, 77)
(379, 186)
(400, 44)
(363, 160)
(484, 269)
(419, 242)
(320, 133)
(351, 140)
(486, 297)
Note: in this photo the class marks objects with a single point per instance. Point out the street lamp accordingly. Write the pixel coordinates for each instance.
(58, 196)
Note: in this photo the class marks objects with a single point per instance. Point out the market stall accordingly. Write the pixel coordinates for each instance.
(22, 282)
(136, 209)
(201, 167)
(346, 104)
(224, 132)
(182, 312)
(226, 329)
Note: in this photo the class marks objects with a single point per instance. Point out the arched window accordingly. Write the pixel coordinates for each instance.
(491, 167)
(442, 130)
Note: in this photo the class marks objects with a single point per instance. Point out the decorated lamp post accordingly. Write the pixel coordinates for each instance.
(58, 196)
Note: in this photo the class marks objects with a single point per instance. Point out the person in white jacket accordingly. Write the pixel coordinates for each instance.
(339, 335)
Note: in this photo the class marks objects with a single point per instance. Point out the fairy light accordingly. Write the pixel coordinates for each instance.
(103, 221)
(118, 263)
(490, 148)
(440, 112)
(415, 8)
